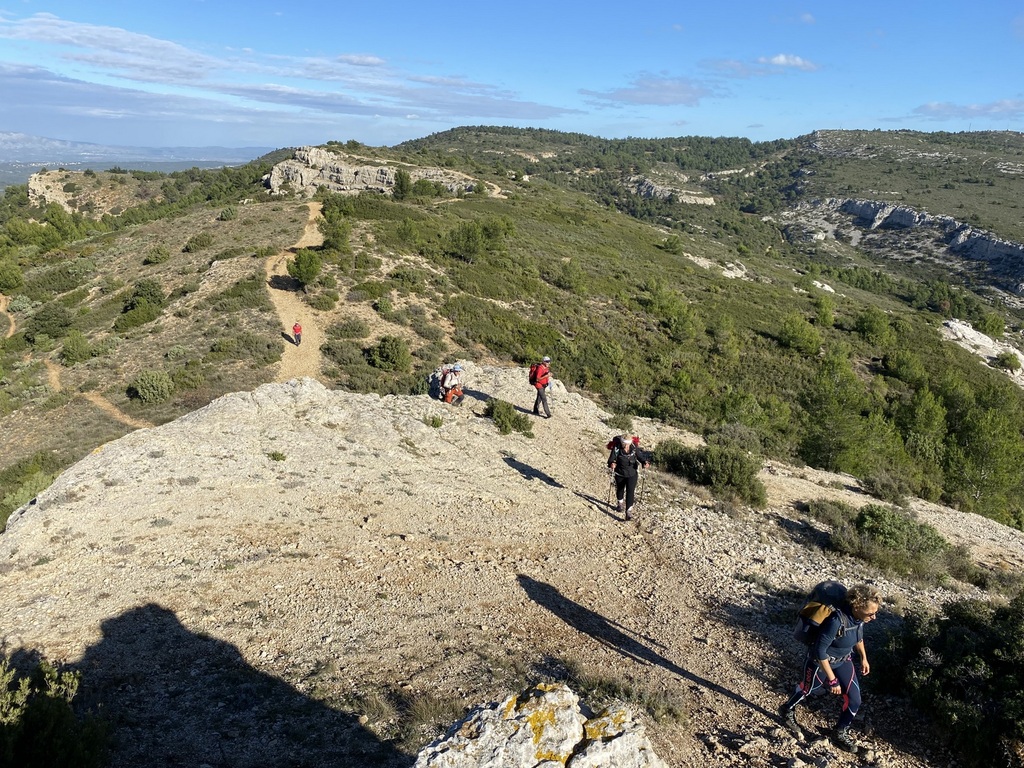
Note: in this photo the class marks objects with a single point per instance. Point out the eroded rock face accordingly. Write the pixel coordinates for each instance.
(312, 167)
(543, 728)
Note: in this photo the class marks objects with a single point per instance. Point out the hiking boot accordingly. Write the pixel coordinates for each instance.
(629, 513)
(789, 722)
(619, 505)
(843, 739)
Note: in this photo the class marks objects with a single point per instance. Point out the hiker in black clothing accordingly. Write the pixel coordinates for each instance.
(624, 462)
(829, 663)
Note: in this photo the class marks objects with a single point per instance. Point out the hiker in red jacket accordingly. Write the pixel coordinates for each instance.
(540, 377)
(297, 333)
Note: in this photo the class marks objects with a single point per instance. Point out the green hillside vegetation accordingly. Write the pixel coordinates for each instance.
(163, 308)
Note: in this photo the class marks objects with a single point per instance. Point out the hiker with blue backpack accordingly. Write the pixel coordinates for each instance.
(832, 624)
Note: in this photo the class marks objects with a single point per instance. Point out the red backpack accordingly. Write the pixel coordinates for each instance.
(616, 443)
(534, 371)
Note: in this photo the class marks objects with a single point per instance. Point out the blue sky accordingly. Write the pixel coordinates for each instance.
(286, 73)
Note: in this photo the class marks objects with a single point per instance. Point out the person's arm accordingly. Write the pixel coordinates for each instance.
(612, 459)
(827, 636)
(865, 667)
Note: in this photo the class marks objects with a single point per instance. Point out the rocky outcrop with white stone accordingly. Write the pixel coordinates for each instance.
(543, 728)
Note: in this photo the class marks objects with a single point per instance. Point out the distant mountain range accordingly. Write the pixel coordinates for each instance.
(22, 154)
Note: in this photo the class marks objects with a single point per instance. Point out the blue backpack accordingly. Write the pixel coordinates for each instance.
(824, 600)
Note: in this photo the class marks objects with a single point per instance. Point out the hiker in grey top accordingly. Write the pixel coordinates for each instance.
(829, 663)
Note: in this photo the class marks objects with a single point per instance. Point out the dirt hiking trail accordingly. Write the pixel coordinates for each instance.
(98, 400)
(304, 360)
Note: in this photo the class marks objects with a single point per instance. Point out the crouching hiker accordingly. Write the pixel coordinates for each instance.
(451, 385)
(624, 463)
(837, 633)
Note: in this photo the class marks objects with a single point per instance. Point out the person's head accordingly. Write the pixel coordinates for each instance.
(625, 443)
(456, 367)
(864, 601)
(545, 359)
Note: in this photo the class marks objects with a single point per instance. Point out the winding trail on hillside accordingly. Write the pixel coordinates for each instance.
(98, 400)
(305, 360)
(4, 300)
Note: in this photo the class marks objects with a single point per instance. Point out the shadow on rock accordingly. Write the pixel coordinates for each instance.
(617, 637)
(531, 473)
(174, 698)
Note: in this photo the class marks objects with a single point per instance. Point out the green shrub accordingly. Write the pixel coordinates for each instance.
(11, 277)
(228, 214)
(323, 301)
(260, 350)
(276, 456)
(158, 255)
(963, 667)
(151, 387)
(190, 376)
(798, 334)
(25, 479)
(140, 314)
(620, 422)
(391, 353)
(39, 727)
(349, 328)
(198, 242)
(1007, 360)
(305, 267)
(724, 469)
(507, 419)
(887, 487)
(248, 293)
(76, 348)
(51, 320)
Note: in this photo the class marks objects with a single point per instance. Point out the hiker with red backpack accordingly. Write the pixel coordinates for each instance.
(624, 464)
(540, 378)
(451, 385)
(832, 624)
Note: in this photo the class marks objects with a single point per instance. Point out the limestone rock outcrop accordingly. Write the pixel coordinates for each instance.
(543, 728)
(312, 167)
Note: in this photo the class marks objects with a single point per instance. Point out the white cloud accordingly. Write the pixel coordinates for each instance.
(788, 61)
(656, 90)
(807, 18)
(1005, 109)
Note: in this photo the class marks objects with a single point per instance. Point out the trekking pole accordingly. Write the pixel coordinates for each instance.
(611, 484)
(643, 482)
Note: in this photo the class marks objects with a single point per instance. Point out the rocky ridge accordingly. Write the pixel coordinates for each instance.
(312, 167)
(244, 585)
(955, 240)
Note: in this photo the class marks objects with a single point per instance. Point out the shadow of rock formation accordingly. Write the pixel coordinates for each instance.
(175, 698)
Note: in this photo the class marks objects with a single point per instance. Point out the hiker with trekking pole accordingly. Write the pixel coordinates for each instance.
(831, 623)
(624, 463)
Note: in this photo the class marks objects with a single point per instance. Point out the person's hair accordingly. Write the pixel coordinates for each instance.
(860, 595)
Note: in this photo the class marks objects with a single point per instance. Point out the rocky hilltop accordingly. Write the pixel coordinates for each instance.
(275, 578)
(312, 167)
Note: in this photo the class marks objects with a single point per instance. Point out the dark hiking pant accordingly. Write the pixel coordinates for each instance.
(625, 489)
(542, 399)
(813, 680)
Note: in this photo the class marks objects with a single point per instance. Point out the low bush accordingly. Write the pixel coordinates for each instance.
(726, 470)
(248, 293)
(51, 320)
(963, 668)
(391, 353)
(350, 328)
(507, 419)
(151, 387)
(25, 479)
(323, 301)
(258, 349)
(228, 214)
(158, 255)
(76, 349)
(38, 725)
(198, 242)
